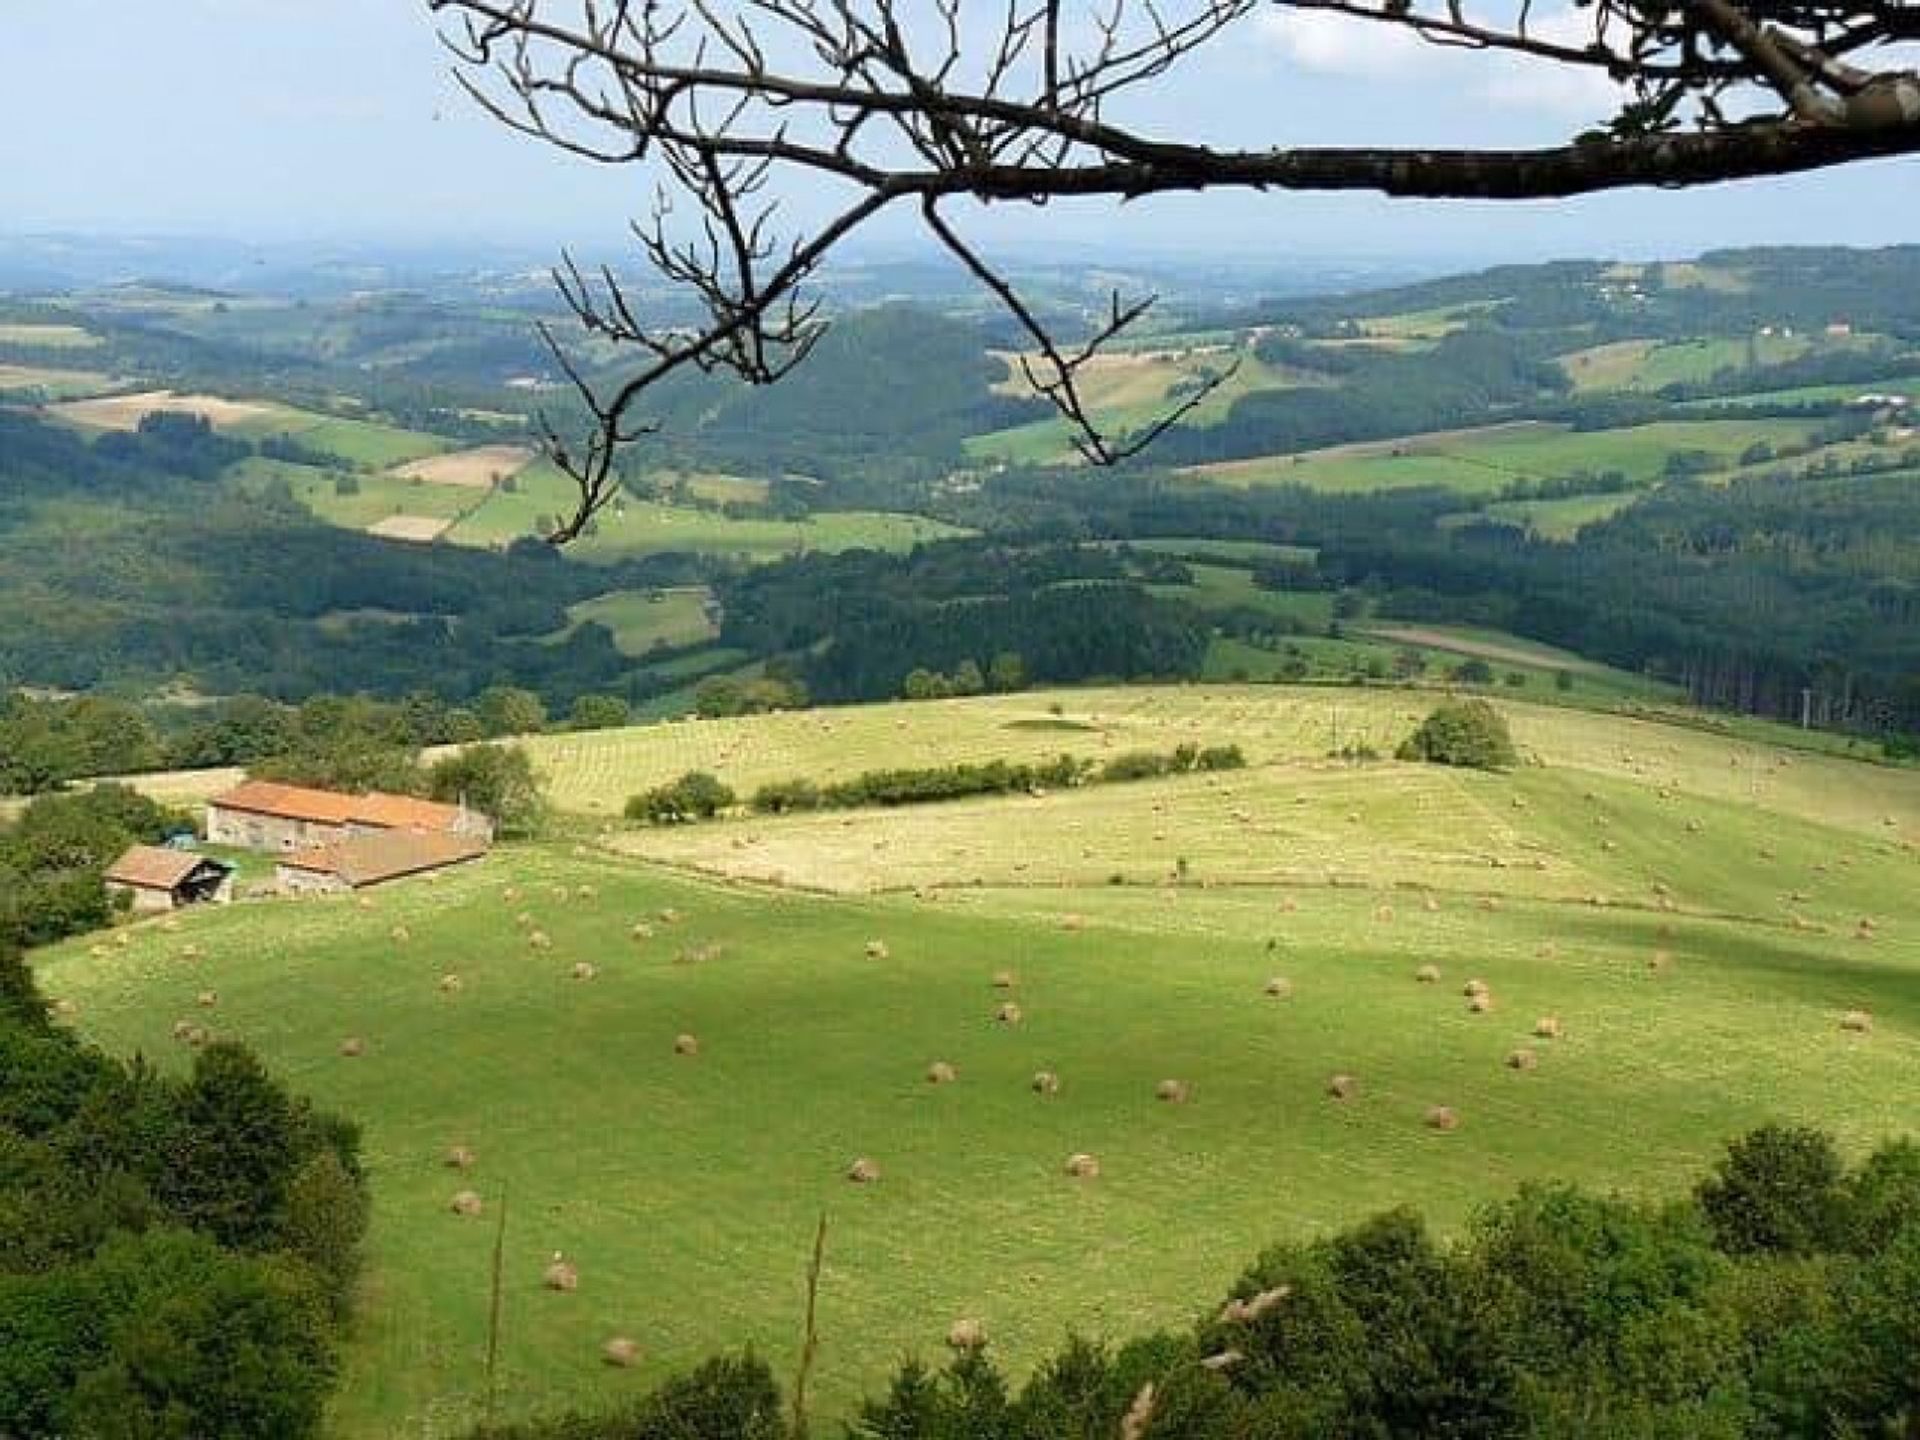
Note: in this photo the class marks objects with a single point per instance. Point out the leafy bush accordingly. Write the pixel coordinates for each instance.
(694, 796)
(1469, 733)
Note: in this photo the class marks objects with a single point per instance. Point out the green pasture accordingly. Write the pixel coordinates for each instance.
(1685, 903)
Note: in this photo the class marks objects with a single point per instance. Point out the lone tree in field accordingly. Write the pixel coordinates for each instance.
(891, 104)
(1470, 733)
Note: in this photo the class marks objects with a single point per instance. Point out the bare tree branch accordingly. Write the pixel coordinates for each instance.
(919, 102)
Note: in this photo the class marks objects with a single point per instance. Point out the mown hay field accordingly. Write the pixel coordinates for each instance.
(593, 772)
(685, 1187)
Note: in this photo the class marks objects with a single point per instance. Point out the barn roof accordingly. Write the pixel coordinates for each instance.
(389, 855)
(149, 867)
(329, 807)
(287, 802)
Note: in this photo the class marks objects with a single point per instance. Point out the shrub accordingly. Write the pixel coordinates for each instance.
(1779, 1190)
(784, 797)
(696, 795)
(1469, 733)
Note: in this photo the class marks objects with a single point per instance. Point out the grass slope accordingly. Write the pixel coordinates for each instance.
(687, 1189)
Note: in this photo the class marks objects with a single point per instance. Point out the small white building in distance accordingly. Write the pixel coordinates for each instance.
(160, 879)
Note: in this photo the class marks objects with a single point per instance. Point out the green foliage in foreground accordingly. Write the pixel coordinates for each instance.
(1559, 1313)
(1470, 733)
(176, 1257)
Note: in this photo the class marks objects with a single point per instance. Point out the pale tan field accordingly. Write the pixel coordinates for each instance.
(1510, 654)
(56, 383)
(1427, 442)
(48, 337)
(419, 529)
(477, 469)
(124, 412)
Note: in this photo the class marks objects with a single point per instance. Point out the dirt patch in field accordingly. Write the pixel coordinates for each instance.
(477, 469)
(418, 528)
(124, 412)
(1485, 649)
(1431, 442)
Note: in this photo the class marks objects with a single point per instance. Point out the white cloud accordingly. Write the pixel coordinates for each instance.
(1328, 43)
(1334, 44)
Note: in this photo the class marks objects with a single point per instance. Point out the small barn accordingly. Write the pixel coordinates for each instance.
(372, 858)
(160, 879)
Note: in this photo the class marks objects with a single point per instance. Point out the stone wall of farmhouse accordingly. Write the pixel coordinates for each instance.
(247, 831)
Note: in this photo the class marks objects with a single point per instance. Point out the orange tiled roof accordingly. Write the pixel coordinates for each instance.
(287, 802)
(404, 812)
(370, 859)
(152, 868)
(328, 807)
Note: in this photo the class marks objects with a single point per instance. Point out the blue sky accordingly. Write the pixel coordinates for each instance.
(336, 120)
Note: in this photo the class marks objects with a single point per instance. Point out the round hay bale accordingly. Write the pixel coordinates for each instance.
(1289, 906)
(199, 1036)
(1479, 1004)
(1343, 1087)
(561, 892)
(1860, 1022)
(540, 940)
(1431, 904)
(451, 984)
(561, 1275)
(621, 1353)
(400, 934)
(863, 1172)
(877, 950)
(686, 1045)
(1384, 915)
(966, 1335)
(586, 892)
(1443, 1118)
(366, 902)
(510, 893)
(1004, 980)
(1278, 987)
(99, 952)
(1547, 1027)
(353, 1046)
(459, 1157)
(1659, 961)
(1074, 923)
(524, 919)
(1489, 903)
(183, 1028)
(1428, 975)
(1174, 1092)
(671, 916)
(1083, 1167)
(468, 1203)
(1522, 1059)
(1045, 1082)
(1473, 988)
(941, 1073)
(170, 926)
(190, 952)
(1008, 1014)
(584, 970)
(642, 931)
(207, 999)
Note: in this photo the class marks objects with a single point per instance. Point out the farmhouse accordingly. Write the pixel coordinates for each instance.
(263, 815)
(372, 857)
(159, 879)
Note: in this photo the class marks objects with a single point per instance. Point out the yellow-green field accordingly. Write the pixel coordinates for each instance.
(644, 620)
(48, 337)
(1688, 905)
